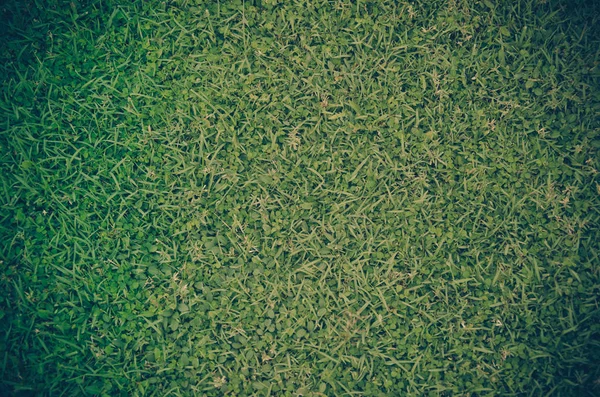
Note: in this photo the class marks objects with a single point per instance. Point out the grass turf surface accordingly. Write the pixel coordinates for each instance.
(300, 198)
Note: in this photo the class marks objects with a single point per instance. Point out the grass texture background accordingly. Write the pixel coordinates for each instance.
(316, 198)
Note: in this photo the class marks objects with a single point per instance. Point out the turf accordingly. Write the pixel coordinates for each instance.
(316, 198)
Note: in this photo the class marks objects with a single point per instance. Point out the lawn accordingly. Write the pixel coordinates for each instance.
(299, 198)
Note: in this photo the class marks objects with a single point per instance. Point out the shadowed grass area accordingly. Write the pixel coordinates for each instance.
(317, 198)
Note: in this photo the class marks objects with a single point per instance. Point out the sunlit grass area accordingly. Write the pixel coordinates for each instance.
(299, 198)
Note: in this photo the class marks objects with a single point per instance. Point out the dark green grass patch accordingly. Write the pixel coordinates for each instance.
(315, 198)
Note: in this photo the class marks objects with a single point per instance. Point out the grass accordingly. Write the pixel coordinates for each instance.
(317, 198)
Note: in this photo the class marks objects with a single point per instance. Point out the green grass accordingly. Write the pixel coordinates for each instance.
(317, 198)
